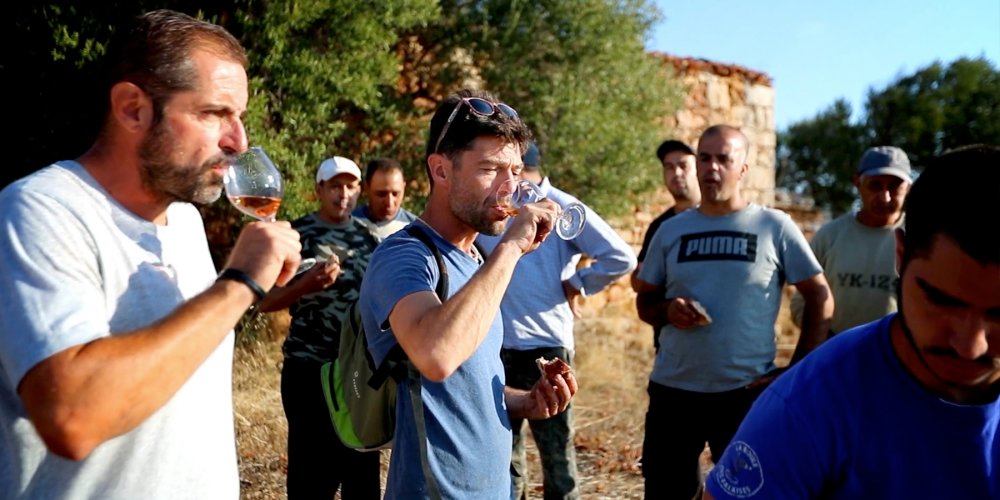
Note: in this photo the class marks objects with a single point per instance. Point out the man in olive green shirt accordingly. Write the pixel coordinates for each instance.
(857, 249)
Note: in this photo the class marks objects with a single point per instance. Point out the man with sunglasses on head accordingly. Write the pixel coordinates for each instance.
(538, 316)
(474, 146)
(907, 406)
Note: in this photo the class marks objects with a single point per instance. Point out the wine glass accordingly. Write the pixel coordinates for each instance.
(253, 186)
(515, 193)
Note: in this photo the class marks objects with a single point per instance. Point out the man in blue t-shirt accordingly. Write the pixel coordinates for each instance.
(464, 407)
(713, 277)
(907, 406)
(538, 312)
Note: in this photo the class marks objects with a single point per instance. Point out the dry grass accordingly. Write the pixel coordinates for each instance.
(613, 361)
(614, 355)
(261, 428)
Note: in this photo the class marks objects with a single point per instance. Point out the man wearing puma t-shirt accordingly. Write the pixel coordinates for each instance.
(732, 257)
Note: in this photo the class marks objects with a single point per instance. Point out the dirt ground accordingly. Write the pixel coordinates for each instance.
(613, 360)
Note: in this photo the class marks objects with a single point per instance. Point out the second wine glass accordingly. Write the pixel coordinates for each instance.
(515, 193)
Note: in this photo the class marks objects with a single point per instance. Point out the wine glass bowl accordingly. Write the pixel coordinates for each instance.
(570, 223)
(253, 184)
(515, 193)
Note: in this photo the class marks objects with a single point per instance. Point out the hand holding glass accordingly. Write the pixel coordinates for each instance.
(515, 193)
(253, 185)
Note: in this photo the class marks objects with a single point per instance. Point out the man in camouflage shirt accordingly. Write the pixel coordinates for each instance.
(318, 300)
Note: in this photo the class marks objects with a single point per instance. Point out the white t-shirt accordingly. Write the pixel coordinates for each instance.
(77, 266)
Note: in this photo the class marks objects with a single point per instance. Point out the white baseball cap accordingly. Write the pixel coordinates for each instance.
(335, 166)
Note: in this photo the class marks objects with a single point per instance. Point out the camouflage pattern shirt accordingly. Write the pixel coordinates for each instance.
(314, 334)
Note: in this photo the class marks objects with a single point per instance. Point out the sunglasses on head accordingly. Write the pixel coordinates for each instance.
(479, 106)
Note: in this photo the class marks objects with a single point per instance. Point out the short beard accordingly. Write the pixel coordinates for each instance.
(494, 229)
(475, 215)
(682, 194)
(476, 219)
(171, 182)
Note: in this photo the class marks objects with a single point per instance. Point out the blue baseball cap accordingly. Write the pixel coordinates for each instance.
(885, 160)
(531, 157)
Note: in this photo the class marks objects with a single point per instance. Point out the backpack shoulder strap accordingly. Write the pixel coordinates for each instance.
(391, 365)
(433, 490)
(419, 233)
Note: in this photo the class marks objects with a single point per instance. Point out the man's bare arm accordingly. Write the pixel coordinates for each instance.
(87, 394)
(650, 303)
(316, 279)
(633, 279)
(816, 315)
(681, 312)
(438, 337)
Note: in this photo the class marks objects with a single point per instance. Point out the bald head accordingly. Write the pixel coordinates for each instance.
(722, 163)
(730, 134)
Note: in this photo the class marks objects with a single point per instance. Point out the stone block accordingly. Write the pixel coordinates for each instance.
(760, 95)
(717, 92)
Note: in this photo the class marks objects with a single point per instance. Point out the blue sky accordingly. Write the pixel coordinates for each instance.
(817, 52)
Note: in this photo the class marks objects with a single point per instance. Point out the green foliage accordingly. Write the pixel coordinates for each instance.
(322, 80)
(819, 156)
(54, 72)
(578, 73)
(938, 108)
(361, 79)
(926, 113)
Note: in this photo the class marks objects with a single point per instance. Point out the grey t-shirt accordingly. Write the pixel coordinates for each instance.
(383, 229)
(860, 264)
(734, 265)
(77, 267)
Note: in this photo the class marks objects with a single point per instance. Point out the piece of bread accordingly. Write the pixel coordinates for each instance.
(550, 368)
(703, 318)
(332, 253)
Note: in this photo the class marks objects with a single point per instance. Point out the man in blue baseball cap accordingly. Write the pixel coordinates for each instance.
(857, 249)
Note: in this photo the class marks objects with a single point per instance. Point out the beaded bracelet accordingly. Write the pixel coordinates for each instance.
(242, 277)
